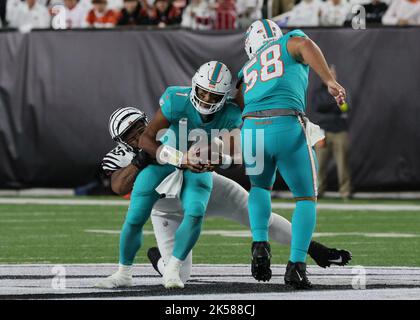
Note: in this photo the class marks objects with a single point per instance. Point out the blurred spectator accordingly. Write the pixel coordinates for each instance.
(403, 13)
(30, 14)
(305, 14)
(364, 2)
(86, 4)
(198, 16)
(164, 13)
(147, 4)
(281, 6)
(115, 5)
(100, 16)
(226, 14)
(75, 14)
(361, 2)
(132, 14)
(248, 12)
(375, 11)
(334, 13)
(11, 8)
(3, 13)
(181, 4)
(333, 120)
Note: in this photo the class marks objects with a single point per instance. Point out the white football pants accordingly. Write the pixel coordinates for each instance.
(228, 200)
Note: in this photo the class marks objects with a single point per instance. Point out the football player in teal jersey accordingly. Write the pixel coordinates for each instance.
(205, 106)
(272, 86)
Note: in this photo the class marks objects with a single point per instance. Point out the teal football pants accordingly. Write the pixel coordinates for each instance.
(195, 195)
(284, 148)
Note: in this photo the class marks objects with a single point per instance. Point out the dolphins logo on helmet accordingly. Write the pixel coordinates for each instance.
(259, 34)
(213, 78)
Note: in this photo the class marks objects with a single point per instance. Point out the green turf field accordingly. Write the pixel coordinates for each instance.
(57, 234)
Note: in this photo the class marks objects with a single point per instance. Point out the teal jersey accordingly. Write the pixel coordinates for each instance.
(177, 108)
(273, 79)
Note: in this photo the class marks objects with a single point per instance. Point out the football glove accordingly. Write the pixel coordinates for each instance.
(141, 160)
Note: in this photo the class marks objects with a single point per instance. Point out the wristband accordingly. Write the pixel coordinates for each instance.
(168, 154)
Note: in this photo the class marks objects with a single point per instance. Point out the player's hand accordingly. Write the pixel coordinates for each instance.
(191, 162)
(216, 160)
(337, 91)
(209, 167)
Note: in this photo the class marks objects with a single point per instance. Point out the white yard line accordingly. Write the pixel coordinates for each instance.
(246, 233)
(74, 202)
(275, 205)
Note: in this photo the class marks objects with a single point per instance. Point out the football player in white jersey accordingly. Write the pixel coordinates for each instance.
(228, 198)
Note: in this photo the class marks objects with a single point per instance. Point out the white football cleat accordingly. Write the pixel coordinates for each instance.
(171, 278)
(117, 280)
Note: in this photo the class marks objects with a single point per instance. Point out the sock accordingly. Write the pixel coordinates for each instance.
(130, 242)
(259, 204)
(186, 236)
(125, 270)
(303, 225)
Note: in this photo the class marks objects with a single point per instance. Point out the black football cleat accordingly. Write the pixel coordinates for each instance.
(325, 257)
(295, 276)
(260, 265)
(154, 255)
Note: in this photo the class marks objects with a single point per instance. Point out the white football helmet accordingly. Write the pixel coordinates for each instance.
(122, 119)
(214, 78)
(260, 33)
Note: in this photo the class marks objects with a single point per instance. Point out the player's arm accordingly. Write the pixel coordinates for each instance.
(148, 141)
(122, 180)
(155, 149)
(123, 166)
(306, 51)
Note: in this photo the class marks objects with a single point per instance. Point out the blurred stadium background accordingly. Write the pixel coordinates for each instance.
(59, 87)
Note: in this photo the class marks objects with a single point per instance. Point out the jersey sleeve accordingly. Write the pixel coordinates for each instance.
(165, 103)
(296, 33)
(116, 159)
(288, 36)
(172, 103)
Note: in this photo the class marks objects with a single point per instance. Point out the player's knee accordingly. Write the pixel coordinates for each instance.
(139, 212)
(137, 220)
(195, 204)
(133, 225)
(195, 210)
